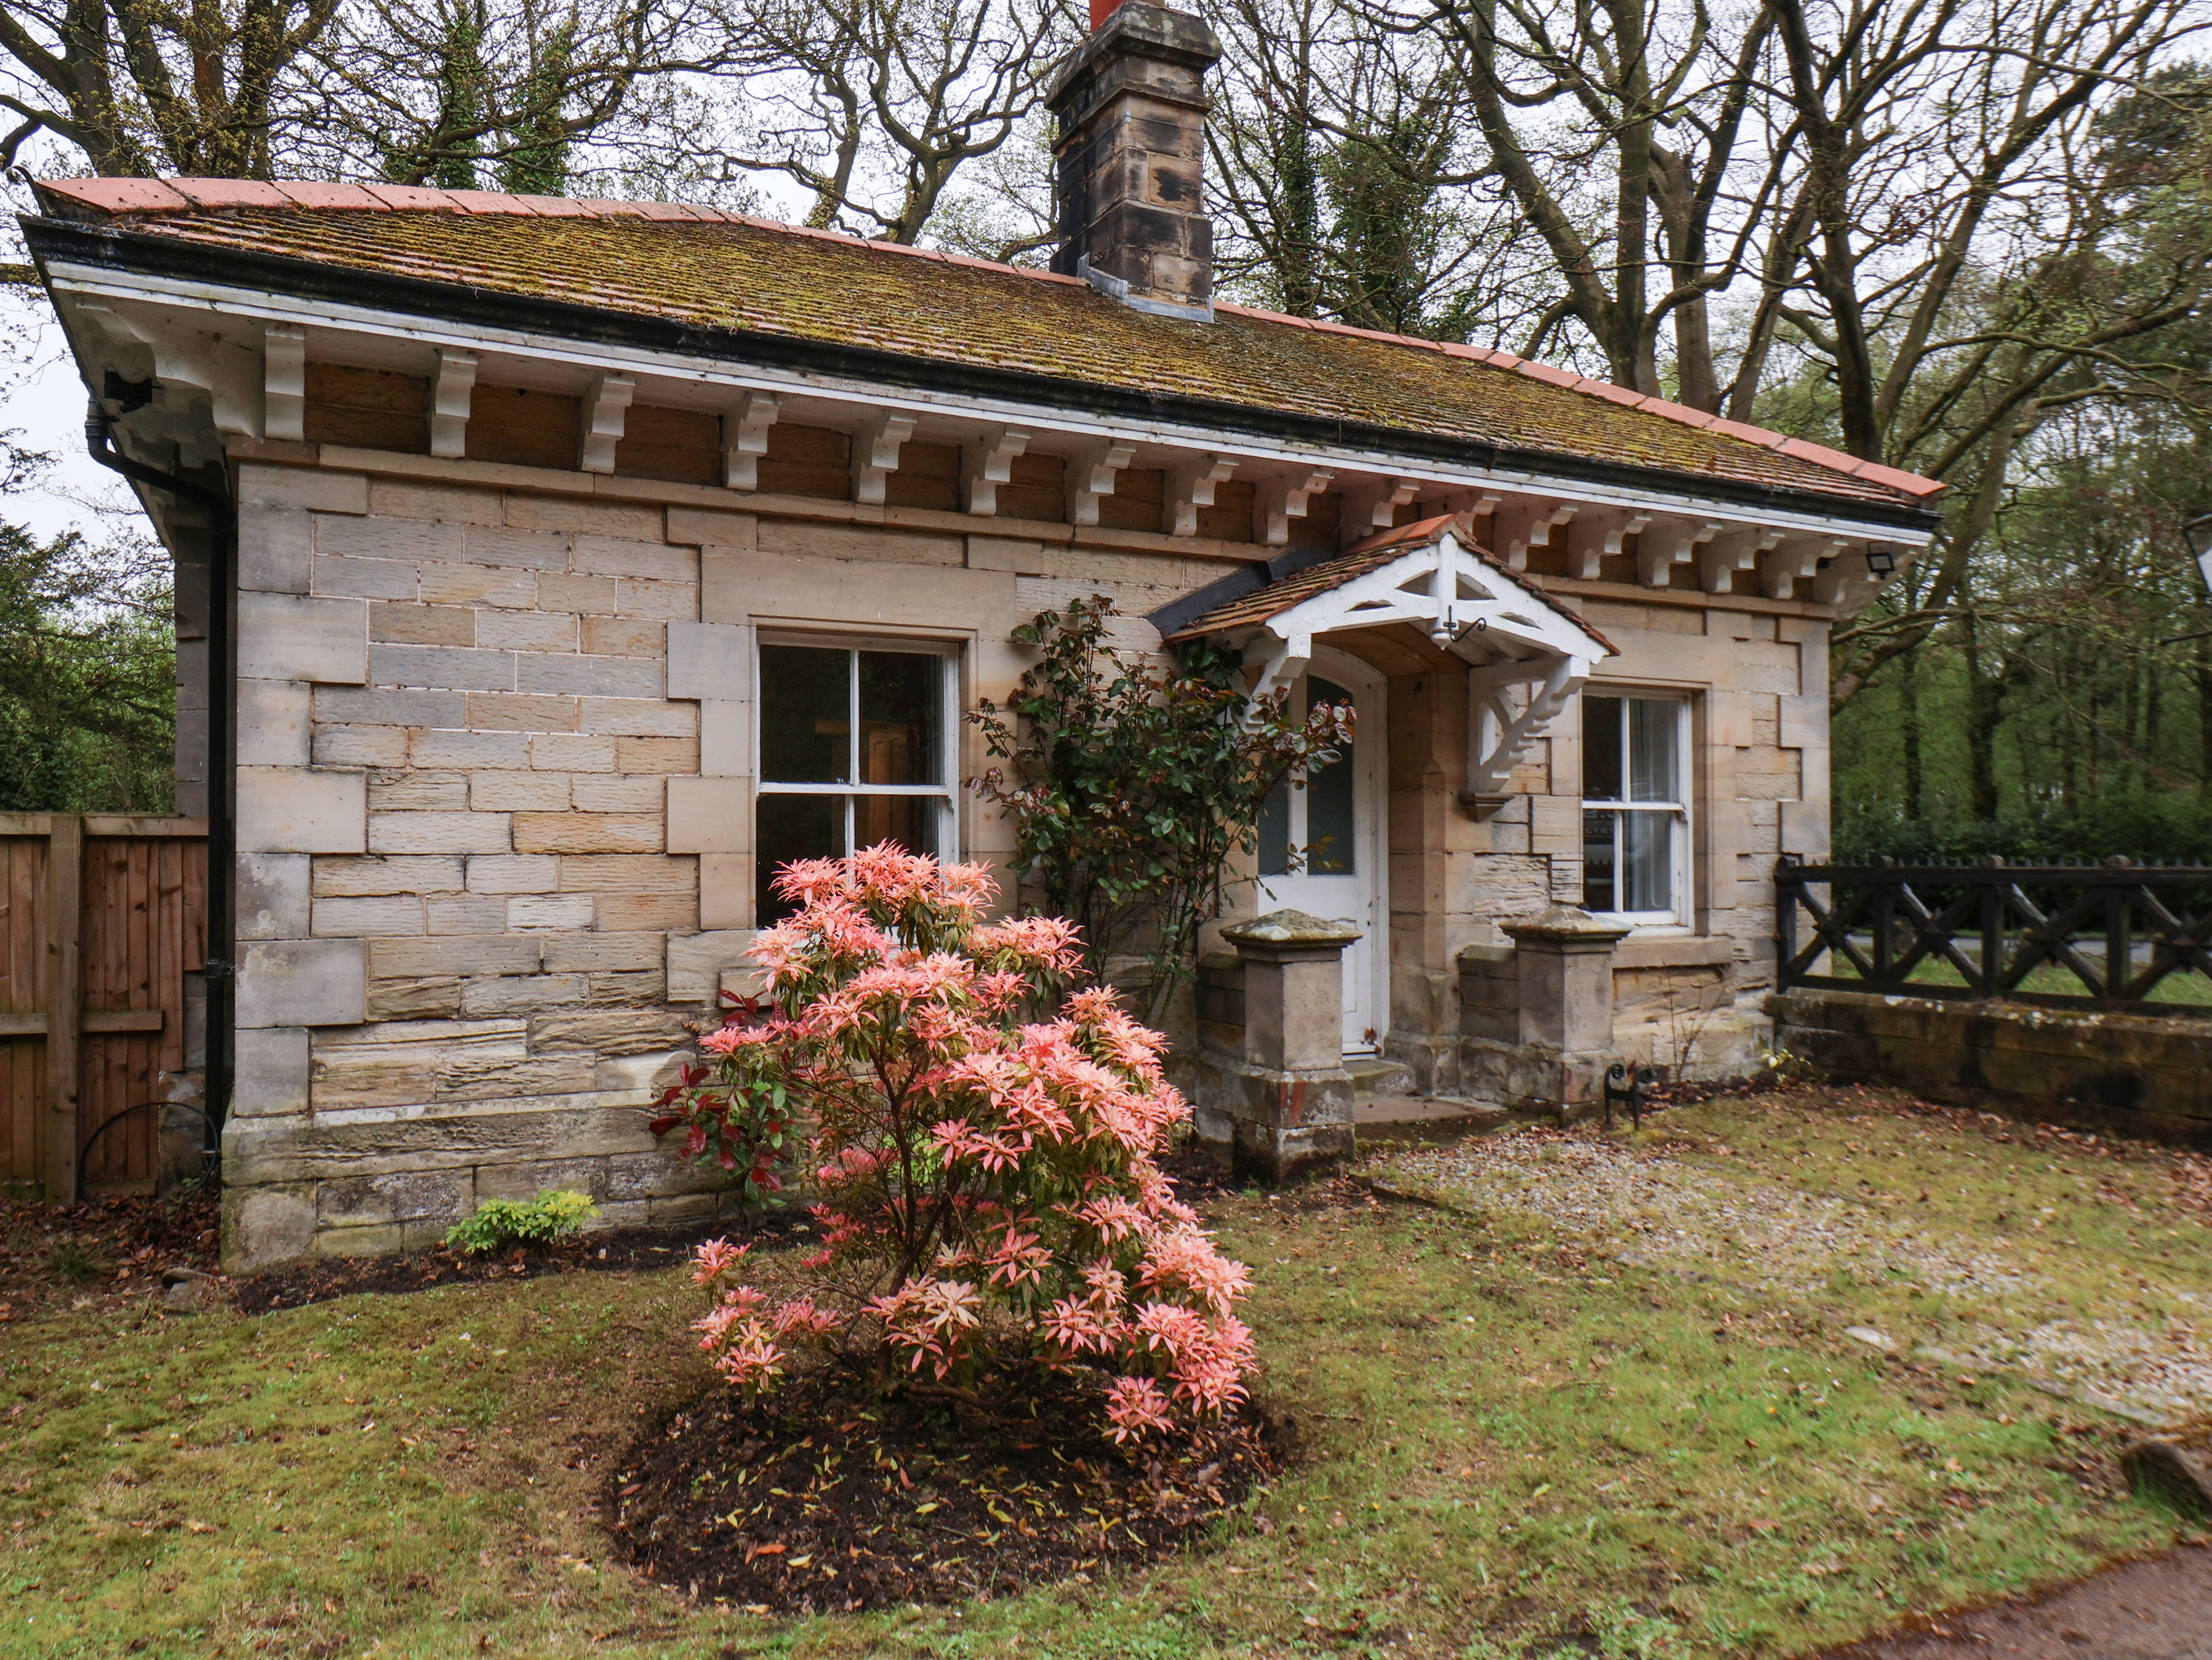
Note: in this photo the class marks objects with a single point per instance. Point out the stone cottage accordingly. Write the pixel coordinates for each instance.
(549, 570)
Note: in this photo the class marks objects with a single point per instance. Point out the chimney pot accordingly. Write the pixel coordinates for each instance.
(1129, 150)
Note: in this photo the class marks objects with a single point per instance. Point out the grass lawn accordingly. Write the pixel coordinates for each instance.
(1516, 1440)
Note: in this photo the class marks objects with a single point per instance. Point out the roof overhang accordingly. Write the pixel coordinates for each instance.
(250, 291)
(1529, 654)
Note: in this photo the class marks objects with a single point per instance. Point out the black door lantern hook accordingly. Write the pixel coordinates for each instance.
(1625, 1085)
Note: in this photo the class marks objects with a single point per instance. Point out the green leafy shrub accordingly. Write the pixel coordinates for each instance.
(506, 1224)
(2172, 828)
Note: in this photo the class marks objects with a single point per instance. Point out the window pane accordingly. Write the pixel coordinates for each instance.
(1274, 832)
(1649, 856)
(1654, 773)
(1598, 862)
(910, 820)
(1331, 849)
(1601, 749)
(788, 827)
(806, 715)
(901, 705)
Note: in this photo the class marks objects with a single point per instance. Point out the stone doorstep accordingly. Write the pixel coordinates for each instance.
(1385, 1118)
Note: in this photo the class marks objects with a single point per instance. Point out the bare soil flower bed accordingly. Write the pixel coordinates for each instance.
(814, 1502)
(98, 1249)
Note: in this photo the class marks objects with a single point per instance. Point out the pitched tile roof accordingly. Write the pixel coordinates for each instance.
(1250, 609)
(717, 270)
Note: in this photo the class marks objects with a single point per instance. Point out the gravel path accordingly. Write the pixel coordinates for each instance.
(2112, 1334)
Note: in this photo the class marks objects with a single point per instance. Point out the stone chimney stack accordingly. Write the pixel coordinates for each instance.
(1130, 146)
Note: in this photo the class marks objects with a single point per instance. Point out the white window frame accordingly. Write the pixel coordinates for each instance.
(946, 793)
(1679, 809)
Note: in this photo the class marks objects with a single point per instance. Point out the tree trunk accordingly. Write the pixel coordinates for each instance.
(1984, 705)
(1908, 729)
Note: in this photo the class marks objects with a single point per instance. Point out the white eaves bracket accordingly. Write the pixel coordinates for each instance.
(1503, 727)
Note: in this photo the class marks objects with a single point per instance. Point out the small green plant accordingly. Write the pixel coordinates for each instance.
(504, 1224)
(75, 1262)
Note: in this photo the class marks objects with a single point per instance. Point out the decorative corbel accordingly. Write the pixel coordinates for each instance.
(1520, 526)
(991, 464)
(744, 438)
(876, 454)
(605, 411)
(1840, 575)
(1669, 542)
(1600, 537)
(1281, 660)
(1093, 472)
(450, 399)
(1191, 484)
(1280, 500)
(284, 382)
(1499, 734)
(1787, 567)
(232, 372)
(1373, 505)
(1720, 559)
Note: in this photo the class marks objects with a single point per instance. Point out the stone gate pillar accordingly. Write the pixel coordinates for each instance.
(1565, 970)
(1293, 1104)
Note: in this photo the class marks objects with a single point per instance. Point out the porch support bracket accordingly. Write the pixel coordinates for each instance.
(1500, 734)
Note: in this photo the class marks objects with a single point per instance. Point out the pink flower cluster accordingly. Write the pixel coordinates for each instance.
(988, 1186)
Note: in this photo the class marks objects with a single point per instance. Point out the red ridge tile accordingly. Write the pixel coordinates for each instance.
(1911, 483)
(1819, 454)
(1762, 435)
(411, 198)
(1682, 413)
(487, 202)
(118, 196)
(230, 192)
(306, 193)
(1545, 371)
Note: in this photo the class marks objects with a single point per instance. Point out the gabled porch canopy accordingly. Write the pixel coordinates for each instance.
(1529, 654)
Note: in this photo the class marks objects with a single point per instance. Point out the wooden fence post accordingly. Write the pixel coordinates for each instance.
(64, 1000)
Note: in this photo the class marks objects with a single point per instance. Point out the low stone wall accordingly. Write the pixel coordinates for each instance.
(2134, 1074)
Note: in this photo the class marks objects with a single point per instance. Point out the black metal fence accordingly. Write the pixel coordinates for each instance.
(2114, 935)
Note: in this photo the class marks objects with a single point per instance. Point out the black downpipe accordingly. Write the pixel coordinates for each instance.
(222, 770)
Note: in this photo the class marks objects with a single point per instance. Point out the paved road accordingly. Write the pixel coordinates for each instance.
(2156, 1609)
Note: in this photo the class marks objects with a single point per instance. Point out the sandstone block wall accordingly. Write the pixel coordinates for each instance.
(496, 798)
(2133, 1074)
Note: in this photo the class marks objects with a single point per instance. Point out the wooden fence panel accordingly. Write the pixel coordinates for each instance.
(136, 928)
(22, 997)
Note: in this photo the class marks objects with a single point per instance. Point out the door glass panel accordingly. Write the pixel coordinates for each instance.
(1601, 748)
(788, 827)
(1598, 862)
(1652, 729)
(1274, 832)
(1331, 845)
(1649, 857)
(908, 820)
(902, 696)
(806, 715)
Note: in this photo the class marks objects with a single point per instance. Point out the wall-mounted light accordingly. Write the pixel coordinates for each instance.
(2198, 532)
(1881, 561)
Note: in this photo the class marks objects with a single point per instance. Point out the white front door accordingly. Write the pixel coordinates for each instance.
(1321, 844)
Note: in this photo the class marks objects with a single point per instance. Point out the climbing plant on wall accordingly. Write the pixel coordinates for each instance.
(1134, 781)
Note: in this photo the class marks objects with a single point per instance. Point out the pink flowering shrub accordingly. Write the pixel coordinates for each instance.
(988, 1188)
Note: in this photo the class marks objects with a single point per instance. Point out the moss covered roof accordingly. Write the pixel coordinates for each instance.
(709, 269)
